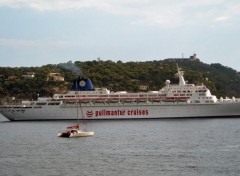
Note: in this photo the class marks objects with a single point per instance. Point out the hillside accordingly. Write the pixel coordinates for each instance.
(31, 82)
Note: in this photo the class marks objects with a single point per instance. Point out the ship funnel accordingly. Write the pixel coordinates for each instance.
(82, 84)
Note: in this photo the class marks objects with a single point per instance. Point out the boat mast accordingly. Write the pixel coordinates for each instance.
(85, 125)
(77, 105)
(79, 102)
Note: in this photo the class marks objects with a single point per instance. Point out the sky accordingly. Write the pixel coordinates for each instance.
(41, 32)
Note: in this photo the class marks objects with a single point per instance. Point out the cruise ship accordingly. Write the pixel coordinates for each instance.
(180, 100)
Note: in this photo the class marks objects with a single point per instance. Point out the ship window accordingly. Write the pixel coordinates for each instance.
(41, 104)
(152, 95)
(114, 95)
(70, 102)
(54, 103)
(70, 96)
(91, 96)
(103, 95)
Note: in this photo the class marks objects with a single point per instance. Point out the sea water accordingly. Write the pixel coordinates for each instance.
(188, 147)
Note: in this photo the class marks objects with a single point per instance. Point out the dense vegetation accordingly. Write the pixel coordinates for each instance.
(117, 76)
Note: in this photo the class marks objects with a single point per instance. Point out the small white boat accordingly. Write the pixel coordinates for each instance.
(74, 131)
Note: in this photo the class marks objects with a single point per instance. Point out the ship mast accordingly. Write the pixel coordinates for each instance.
(180, 76)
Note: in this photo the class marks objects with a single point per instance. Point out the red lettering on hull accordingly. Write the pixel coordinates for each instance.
(117, 113)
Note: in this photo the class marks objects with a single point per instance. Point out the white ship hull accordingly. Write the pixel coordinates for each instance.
(62, 112)
(172, 101)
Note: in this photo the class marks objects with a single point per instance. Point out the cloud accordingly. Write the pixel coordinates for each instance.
(222, 18)
(163, 13)
(16, 42)
(35, 43)
(53, 5)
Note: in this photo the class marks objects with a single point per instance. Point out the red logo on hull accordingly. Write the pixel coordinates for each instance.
(89, 114)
